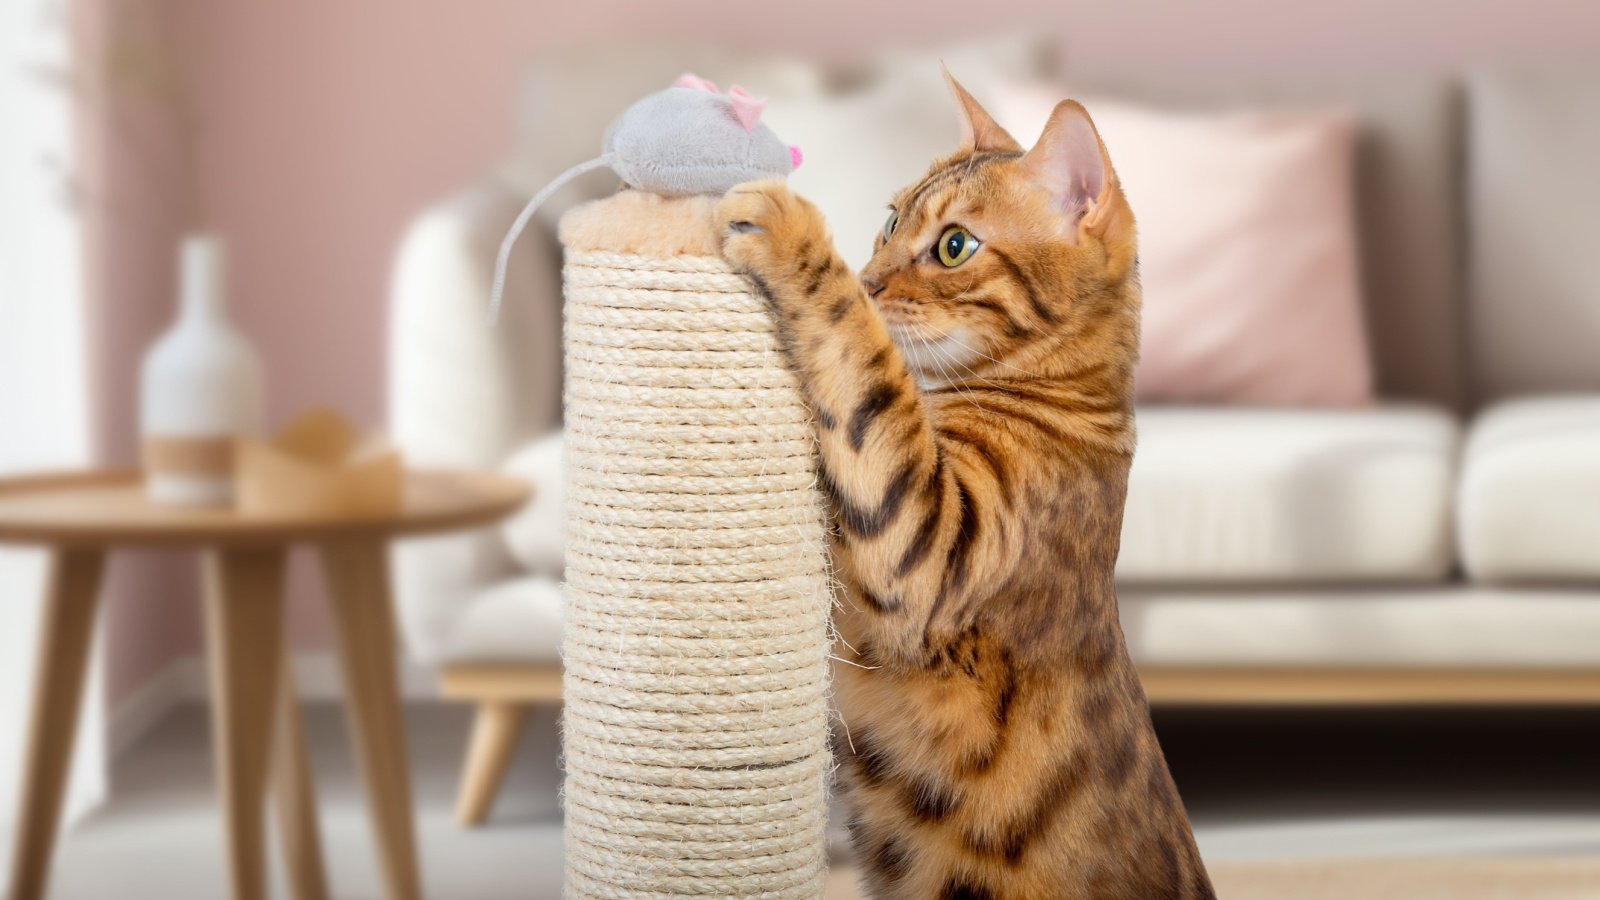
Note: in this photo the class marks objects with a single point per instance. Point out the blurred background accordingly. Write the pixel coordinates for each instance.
(1361, 565)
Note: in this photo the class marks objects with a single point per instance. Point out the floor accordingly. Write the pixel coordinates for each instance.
(1260, 786)
(158, 838)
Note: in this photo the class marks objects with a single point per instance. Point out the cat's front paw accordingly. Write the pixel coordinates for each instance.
(765, 227)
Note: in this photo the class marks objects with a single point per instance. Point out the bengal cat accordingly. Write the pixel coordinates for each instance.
(973, 394)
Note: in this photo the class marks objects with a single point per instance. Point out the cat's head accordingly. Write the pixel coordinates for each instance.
(1000, 252)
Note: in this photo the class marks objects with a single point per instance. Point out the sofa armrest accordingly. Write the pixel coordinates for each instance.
(463, 394)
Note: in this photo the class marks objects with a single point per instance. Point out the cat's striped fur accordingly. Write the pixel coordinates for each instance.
(976, 429)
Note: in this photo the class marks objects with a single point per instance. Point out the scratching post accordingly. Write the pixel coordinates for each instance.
(696, 641)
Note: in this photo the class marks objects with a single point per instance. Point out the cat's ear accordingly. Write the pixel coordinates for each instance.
(979, 132)
(1070, 162)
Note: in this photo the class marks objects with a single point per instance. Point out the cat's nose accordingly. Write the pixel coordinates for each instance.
(874, 288)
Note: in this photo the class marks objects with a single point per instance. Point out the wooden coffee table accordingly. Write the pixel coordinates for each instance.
(82, 516)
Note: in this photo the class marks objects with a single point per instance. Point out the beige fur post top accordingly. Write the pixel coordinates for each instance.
(643, 224)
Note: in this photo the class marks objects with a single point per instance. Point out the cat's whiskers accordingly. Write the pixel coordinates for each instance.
(945, 365)
(971, 373)
(847, 738)
(852, 662)
(938, 354)
(930, 354)
(976, 377)
(951, 336)
(944, 378)
(956, 385)
(979, 353)
(920, 352)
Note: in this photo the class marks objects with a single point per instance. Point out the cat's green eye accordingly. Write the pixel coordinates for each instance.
(956, 246)
(888, 227)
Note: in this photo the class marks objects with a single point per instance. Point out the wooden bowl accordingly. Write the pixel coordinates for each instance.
(318, 465)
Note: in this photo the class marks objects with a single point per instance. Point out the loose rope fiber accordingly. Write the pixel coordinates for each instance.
(697, 597)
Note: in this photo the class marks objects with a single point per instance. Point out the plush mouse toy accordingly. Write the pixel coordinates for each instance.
(687, 139)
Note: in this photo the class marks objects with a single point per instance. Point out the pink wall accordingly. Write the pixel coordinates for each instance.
(128, 165)
(329, 124)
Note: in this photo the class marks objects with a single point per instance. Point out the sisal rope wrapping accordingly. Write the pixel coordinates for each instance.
(697, 598)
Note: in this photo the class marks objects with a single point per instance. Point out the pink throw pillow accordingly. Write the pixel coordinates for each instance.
(1247, 249)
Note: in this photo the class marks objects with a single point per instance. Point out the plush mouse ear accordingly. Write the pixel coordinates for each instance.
(695, 83)
(746, 109)
(979, 132)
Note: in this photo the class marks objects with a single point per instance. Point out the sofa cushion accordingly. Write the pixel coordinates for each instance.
(1442, 627)
(1289, 496)
(518, 620)
(1534, 205)
(1530, 491)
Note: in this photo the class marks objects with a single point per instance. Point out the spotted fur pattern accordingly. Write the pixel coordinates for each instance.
(975, 431)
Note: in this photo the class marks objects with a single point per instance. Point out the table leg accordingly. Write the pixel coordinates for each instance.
(358, 580)
(494, 740)
(244, 638)
(65, 636)
(296, 795)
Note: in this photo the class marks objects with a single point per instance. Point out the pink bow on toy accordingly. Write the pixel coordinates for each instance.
(746, 109)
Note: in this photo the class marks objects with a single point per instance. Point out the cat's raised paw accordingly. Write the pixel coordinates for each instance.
(759, 221)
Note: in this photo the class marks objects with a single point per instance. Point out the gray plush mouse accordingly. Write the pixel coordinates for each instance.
(690, 139)
(687, 139)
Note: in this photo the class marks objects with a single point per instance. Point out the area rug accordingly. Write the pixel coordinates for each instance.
(1496, 878)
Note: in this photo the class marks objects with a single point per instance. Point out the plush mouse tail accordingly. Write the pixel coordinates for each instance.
(503, 261)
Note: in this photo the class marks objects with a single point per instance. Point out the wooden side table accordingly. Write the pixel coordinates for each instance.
(257, 735)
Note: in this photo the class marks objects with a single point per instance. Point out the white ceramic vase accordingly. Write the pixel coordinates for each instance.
(201, 389)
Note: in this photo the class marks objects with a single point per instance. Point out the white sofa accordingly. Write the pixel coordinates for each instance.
(1442, 547)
